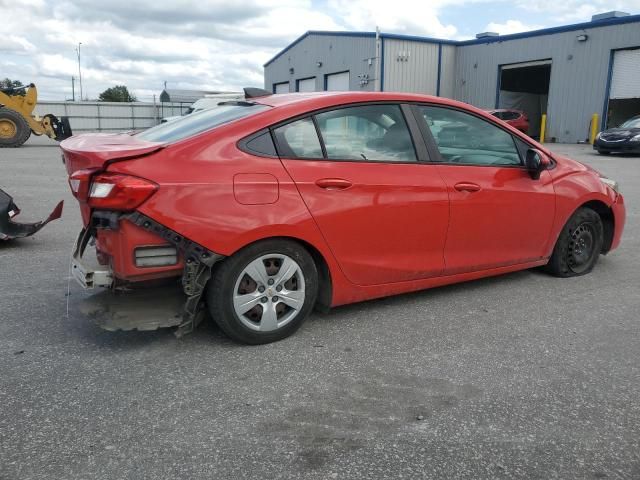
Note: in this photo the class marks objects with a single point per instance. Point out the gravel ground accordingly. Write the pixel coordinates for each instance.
(520, 376)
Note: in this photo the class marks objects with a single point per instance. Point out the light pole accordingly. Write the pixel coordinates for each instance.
(79, 70)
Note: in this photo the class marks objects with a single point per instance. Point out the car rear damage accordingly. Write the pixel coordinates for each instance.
(10, 230)
(139, 261)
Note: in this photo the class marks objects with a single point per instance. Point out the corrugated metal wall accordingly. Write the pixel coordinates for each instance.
(410, 66)
(337, 54)
(448, 71)
(578, 73)
(111, 116)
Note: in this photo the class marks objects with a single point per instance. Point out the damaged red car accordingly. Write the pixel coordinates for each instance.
(259, 210)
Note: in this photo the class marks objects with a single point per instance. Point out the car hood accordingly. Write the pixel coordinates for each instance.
(626, 132)
(97, 149)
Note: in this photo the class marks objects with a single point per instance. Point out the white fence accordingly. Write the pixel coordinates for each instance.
(111, 116)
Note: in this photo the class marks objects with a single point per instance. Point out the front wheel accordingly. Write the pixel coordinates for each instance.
(264, 292)
(578, 246)
(14, 129)
(604, 152)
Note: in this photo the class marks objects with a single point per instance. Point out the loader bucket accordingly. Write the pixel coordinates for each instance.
(10, 229)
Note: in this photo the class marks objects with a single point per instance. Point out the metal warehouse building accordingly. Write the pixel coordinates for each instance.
(568, 72)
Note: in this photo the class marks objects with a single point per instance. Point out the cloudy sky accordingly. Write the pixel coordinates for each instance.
(222, 44)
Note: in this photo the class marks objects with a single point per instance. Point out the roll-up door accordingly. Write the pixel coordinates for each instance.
(337, 82)
(307, 85)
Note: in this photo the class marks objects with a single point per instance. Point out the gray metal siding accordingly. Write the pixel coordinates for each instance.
(410, 66)
(578, 73)
(448, 71)
(337, 54)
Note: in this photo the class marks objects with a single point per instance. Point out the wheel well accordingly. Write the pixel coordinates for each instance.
(606, 215)
(325, 287)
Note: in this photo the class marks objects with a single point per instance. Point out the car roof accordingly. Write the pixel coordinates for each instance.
(327, 99)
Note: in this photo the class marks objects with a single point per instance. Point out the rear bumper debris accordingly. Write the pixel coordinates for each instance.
(9, 229)
(144, 307)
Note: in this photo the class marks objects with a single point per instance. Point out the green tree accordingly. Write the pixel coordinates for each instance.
(119, 93)
(8, 84)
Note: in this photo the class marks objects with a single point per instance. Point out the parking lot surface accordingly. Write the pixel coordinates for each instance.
(518, 376)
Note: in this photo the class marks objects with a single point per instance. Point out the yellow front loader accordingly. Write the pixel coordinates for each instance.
(17, 121)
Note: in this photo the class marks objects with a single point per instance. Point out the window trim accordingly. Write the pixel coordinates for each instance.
(433, 146)
(420, 149)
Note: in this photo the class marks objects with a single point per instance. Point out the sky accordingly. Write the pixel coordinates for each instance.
(222, 44)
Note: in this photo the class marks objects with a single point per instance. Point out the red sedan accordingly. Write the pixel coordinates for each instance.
(260, 210)
(516, 118)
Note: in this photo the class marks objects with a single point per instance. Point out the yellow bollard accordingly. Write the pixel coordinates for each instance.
(543, 127)
(594, 128)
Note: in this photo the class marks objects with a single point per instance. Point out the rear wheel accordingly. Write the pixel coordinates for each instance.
(578, 246)
(264, 292)
(14, 129)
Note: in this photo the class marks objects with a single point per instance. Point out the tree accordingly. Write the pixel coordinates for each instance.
(119, 93)
(8, 84)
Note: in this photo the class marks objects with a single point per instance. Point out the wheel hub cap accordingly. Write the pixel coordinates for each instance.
(269, 293)
(581, 248)
(8, 129)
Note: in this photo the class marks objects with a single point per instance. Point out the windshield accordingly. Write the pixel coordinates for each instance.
(631, 123)
(198, 122)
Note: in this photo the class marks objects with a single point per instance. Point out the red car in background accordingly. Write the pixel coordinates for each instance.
(259, 210)
(516, 118)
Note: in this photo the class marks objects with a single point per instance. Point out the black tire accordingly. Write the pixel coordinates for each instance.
(604, 152)
(226, 278)
(578, 246)
(14, 129)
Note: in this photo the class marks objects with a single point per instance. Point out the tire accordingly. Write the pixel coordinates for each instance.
(14, 129)
(578, 246)
(604, 152)
(265, 316)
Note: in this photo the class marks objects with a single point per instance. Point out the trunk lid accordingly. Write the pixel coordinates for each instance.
(97, 149)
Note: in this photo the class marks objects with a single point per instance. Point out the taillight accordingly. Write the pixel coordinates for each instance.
(115, 191)
(79, 182)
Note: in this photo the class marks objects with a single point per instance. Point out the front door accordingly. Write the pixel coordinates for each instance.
(499, 214)
(383, 213)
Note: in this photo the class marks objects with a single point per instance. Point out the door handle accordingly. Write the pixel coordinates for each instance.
(333, 183)
(466, 187)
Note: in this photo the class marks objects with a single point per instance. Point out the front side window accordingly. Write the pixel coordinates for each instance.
(198, 122)
(464, 138)
(369, 133)
(298, 139)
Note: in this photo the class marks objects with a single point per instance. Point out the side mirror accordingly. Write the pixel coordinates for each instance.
(536, 162)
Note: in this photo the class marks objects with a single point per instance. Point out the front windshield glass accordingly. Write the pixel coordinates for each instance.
(632, 123)
(198, 122)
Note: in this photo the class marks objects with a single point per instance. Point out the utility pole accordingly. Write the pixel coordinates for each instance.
(79, 69)
(73, 88)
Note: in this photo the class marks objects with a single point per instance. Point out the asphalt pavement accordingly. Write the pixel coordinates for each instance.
(519, 376)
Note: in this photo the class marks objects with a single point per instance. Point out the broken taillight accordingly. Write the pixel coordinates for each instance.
(115, 191)
(79, 182)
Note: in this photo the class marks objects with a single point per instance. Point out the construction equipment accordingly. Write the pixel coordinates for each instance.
(17, 121)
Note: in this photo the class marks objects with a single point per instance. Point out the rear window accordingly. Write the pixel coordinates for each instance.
(198, 122)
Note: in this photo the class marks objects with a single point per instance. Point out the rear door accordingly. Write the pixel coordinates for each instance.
(383, 212)
(499, 215)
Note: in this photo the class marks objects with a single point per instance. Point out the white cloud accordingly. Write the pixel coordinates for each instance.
(511, 26)
(576, 10)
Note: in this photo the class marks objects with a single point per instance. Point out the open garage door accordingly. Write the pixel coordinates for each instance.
(337, 82)
(624, 92)
(525, 86)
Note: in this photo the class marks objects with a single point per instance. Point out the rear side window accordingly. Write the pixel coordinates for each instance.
(198, 122)
(298, 139)
(370, 133)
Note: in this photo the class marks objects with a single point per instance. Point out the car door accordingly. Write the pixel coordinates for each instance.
(499, 215)
(383, 213)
